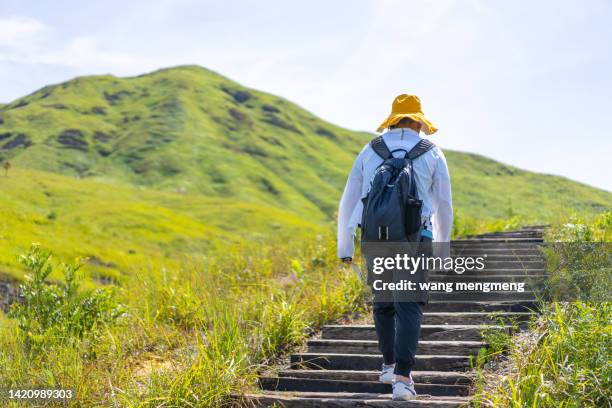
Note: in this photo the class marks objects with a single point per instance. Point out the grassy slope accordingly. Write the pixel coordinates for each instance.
(188, 128)
(486, 188)
(125, 228)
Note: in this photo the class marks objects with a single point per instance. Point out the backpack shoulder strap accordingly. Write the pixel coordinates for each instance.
(380, 148)
(420, 148)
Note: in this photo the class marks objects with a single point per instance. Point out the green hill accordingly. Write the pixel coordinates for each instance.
(484, 188)
(189, 129)
(182, 129)
(135, 172)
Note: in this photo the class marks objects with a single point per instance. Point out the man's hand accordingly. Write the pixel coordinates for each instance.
(347, 260)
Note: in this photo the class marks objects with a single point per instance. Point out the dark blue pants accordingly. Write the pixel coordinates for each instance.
(398, 325)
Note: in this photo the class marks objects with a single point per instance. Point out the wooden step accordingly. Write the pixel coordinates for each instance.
(345, 361)
(473, 318)
(516, 233)
(485, 247)
(326, 385)
(496, 243)
(495, 249)
(428, 332)
(496, 256)
(493, 272)
(472, 251)
(460, 306)
(424, 377)
(453, 277)
(478, 296)
(513, 263)
(513, 234)
(497, 240)
(344, 400)
(432, 347)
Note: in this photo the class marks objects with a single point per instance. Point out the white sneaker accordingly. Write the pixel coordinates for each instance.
(404, 391)
(387, 376)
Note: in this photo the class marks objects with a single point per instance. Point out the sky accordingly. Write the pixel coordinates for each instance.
(528, 83)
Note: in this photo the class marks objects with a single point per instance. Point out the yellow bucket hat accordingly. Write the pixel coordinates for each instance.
(407, 106)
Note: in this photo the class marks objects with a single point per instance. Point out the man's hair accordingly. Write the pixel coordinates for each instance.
(403, 121)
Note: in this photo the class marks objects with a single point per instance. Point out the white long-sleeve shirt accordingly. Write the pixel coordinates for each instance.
(433, 187)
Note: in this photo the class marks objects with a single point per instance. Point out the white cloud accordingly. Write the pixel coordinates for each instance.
(26, 40)
(84, 52)
(14, 30)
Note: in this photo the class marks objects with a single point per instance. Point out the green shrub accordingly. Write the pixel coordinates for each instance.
(59, 312)
(579, 260)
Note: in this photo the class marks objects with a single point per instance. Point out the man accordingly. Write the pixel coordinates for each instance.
(398, 323)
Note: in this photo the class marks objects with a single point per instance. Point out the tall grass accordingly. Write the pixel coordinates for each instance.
(195, 335)
(564, 360)
(52, 312)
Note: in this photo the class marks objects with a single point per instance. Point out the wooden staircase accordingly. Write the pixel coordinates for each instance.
(341, 368)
